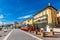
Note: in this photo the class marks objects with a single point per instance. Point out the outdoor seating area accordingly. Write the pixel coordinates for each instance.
(36, 31)
(43, 34)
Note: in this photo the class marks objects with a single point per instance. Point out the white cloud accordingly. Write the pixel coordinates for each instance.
(2, 23)
(27, 16)
(1, 16)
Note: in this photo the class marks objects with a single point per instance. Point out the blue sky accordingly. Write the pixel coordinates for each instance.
(19, 10)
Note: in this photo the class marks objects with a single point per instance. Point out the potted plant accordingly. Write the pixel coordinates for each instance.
(35, 29)
(52, 25)
(41, 26)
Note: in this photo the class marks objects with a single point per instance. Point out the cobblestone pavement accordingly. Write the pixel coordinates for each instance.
(3, 34)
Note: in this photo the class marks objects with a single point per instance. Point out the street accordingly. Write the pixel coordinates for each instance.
(17, 34)
(3, 34)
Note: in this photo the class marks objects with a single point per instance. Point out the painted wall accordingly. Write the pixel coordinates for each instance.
(51, 15)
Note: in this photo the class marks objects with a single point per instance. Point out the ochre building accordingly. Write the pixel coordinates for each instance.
(30, 21)
(47, 15)
(58, 17)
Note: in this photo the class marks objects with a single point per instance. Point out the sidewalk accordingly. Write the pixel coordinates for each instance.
(56, 36)
(3, 34)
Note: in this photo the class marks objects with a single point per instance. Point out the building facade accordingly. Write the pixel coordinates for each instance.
(47, 15)
(58, 16)
(30, 21)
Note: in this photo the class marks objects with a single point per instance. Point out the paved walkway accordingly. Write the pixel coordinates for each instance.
(56, 36)
(3, 34)
(17, 34)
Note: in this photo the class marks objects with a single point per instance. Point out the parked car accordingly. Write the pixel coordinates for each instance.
(24, 29)
(4, 29)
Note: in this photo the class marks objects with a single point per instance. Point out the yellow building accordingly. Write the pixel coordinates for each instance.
(30, 21)
(47, 15)
(58, 17)
(16, 24)
(27, 22)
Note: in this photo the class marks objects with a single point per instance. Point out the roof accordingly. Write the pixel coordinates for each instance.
(46, 8)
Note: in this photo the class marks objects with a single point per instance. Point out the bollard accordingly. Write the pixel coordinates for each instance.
(35, 32)
(51, 33)
(42, 33)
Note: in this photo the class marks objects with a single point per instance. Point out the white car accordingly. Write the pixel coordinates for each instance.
(5, 30)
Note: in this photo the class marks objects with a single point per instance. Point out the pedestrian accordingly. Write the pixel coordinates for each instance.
(45, 28)
(38, 29)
